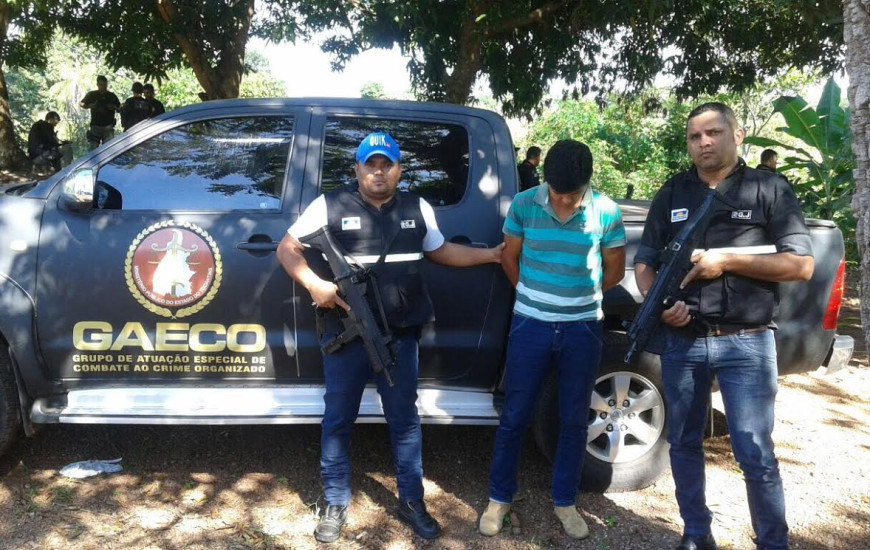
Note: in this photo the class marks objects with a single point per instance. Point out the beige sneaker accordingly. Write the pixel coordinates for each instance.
(572, 522)
(493, 518)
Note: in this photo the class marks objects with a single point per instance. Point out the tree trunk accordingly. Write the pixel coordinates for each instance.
(224, 79)
(856, 34)
(458, 85)
(11, 155)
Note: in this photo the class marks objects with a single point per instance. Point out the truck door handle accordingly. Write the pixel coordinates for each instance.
(258, 245)
(463, 240)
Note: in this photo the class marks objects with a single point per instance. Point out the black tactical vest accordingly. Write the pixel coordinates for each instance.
(364, 232)
(731, 298)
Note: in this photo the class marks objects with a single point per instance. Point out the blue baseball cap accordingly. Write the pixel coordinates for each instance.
(378, 143)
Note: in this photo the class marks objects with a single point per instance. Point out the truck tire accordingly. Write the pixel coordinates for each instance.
(627, 446)
(10, 416)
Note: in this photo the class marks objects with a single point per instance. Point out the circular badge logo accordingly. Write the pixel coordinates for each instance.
(173, 269)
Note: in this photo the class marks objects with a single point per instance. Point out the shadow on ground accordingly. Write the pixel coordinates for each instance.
(215, 487)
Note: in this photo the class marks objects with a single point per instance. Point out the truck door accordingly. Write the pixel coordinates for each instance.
(171, 274)
(449, 161)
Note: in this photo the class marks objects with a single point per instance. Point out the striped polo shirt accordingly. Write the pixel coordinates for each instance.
(560, 264)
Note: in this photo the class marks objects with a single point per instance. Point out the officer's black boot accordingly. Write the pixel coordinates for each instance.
(697, 542)
(414, 514)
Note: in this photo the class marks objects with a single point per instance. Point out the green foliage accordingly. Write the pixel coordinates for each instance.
(821, 170)
(132, 34)
(372, 90)
(754, 105)
(641, 139)
(521, 46)
(180, 86)
(32, 22)
(152, 38)
(626, 144)
(71, 71)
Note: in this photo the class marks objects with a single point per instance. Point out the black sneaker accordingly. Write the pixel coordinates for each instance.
(697, 542)
(414, 514)
(329, 527)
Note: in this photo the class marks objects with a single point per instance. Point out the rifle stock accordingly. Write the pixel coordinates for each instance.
(359, 321)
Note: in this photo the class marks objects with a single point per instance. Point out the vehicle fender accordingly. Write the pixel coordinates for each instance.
(18, 329)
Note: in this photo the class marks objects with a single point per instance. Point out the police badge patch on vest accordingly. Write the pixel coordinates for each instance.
(408, 224)
(741, 215)
(679, 215)
(350, 224)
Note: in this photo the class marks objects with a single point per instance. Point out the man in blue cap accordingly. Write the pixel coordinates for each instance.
(391, 232)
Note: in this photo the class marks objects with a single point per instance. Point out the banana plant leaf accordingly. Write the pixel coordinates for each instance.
(834, 119)
(802, 120)
(767, 142)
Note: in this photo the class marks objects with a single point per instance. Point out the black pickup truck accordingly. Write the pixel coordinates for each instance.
(140, 284)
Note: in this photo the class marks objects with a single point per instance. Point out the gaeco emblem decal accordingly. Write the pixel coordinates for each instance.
(173, 269)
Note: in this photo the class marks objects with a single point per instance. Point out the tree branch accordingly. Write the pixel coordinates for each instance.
(532, 18)
(194, 53)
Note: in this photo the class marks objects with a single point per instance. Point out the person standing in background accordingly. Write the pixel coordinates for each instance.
(103, 104)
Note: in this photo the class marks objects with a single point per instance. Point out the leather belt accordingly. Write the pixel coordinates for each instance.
(726, 330)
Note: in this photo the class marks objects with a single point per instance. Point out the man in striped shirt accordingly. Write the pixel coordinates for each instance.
(565, 245)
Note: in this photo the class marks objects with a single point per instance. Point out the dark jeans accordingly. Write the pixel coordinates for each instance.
(98, 135)
(534, 347)
(745, 366)
(346, 373)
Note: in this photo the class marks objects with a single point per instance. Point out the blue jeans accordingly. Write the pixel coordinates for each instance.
(534, 347)
(346, 374)
(745, 366)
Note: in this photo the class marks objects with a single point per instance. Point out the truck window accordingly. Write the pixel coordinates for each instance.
(222, 164)
(434, 156)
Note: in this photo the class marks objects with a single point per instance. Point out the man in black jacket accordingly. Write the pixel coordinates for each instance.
(156, 105)
(528, 169)
(102, 103)
(769, 158)
(136, 108)
(722, 323)
(372, 220)
(43, 147)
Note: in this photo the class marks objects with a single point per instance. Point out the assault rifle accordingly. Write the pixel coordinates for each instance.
(676, 263)
(359, 322)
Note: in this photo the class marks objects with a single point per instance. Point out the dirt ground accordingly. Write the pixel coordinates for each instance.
(21, 176)
(256, 487)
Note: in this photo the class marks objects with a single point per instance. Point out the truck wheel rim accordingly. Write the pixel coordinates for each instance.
(626, 417)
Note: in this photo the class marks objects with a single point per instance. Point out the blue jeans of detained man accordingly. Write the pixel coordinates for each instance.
(346, 374)
(745, 366)
(534, 347)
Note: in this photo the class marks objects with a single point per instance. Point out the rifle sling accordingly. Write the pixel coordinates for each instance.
(395, 227)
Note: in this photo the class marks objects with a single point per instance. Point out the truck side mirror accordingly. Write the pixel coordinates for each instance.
(78, 191)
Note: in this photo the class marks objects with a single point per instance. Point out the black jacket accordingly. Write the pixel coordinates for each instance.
(99, 102)
(528, 175)
(41, 137)
(765, 212)
(135, 110)
(364, 231)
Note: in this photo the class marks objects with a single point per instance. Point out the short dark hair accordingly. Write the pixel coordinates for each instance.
(52, 115)
(533, 152)
(724, 111)
(568, 166)
(136, 88)
(148, 87)
(768, 154)
(102, 78)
